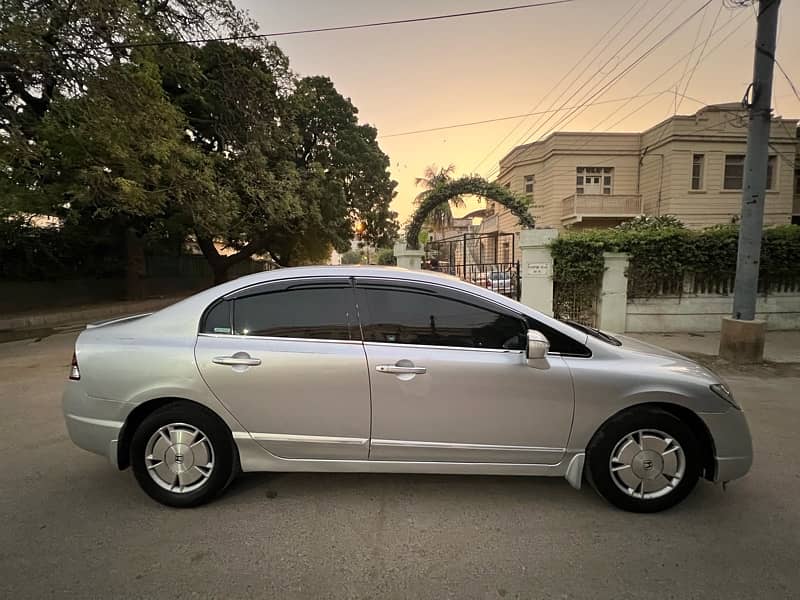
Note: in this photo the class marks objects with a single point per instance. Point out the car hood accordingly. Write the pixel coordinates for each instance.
(634, 345)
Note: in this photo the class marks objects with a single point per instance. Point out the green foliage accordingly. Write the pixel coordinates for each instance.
(385, 256)
(221, 142)
(661, 256)
(352, 257)
(444, 192)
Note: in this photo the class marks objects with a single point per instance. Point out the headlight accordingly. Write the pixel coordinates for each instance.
(721, 390)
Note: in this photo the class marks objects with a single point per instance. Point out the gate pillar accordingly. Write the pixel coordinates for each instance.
(536, 269)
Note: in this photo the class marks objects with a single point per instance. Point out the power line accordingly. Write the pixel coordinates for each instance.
(638, 60)
(567, 74)
(536, 127)
(664, 72)
(257, 36)
(788, 79)
(699, 58)
(571, 116)
(508, 118)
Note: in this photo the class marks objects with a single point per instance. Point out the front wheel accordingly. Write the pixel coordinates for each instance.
(644, 460)
(182, 455)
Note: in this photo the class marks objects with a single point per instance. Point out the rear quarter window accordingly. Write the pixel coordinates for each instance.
(217, 318)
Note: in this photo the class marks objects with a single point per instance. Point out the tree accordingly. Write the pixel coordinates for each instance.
(440, 217)
(111, 157)
(297, 167)
(84, 133)
(143, 143)
(352, 257)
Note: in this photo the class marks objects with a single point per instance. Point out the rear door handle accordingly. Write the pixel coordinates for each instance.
(401, 370)
(236, 361)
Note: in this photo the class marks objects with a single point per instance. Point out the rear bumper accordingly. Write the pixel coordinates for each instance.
(733, 447)
(93, 423)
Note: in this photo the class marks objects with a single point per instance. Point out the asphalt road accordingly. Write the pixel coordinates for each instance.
(74, 527)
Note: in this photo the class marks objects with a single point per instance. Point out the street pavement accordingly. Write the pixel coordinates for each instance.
(72, 526)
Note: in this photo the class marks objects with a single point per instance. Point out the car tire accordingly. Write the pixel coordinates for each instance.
(644, 460)
(183, 455)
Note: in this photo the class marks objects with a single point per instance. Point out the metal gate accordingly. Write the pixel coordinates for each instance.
(488, 260)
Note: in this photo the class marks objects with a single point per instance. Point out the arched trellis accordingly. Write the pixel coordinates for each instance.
(476, 186)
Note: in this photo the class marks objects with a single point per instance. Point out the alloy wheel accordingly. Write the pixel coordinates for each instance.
(647, 464)
(179, 458)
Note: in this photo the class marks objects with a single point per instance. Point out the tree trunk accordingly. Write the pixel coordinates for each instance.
(220, 265)
(220, 270)
(135, 265)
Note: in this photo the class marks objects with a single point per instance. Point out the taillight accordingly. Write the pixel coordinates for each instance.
(74, 371)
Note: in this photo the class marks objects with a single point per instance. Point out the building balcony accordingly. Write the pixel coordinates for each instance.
(600, 207)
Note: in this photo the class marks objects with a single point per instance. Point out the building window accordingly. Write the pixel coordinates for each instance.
(594, 180)
(529, 184)
(698, 170)
(770, 172)
(797, 181)
(734, 172)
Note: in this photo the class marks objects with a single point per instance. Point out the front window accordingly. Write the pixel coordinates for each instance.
(594, 180)
(314, 312)
(698, 169)
(529, 184)
(734, 172)
(401, 315)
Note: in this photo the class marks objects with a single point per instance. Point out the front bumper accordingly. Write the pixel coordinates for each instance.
(733, 446)
(93, 424)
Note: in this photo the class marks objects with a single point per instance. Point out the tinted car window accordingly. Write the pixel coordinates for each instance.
(317, 312)
(218, 318)
(417, 316)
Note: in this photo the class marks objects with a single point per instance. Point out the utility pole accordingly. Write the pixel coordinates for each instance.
(742, 337)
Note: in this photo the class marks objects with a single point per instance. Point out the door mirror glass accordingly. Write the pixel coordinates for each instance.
(537, 345)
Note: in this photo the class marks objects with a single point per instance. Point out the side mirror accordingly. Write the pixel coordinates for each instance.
(537, 345)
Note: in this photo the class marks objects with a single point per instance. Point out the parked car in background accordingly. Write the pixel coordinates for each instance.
(502, 282)
(363, 369)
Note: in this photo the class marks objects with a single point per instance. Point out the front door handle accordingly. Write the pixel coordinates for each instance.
(401, 370)
(237, 360)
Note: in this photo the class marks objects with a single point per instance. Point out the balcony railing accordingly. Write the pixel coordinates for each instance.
(577, 207)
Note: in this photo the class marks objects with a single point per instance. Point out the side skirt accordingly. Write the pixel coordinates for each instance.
(255, 458)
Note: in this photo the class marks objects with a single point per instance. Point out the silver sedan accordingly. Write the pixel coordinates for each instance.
(384, 370)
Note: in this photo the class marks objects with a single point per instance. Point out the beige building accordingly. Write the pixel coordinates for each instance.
(688, 166)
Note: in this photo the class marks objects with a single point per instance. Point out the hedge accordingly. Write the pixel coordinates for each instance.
(661, 256)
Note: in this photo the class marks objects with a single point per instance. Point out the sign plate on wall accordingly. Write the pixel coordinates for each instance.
(538, 270)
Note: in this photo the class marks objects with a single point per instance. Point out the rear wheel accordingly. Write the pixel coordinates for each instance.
(182, 455)
(644, 460)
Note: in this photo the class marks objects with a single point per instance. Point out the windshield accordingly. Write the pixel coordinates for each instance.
(592, 331)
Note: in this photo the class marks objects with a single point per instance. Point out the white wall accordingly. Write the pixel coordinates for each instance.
(694, 312)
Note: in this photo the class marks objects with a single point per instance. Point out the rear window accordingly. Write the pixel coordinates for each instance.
(326, 313)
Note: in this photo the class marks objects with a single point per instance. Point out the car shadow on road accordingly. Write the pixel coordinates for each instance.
(421, 488)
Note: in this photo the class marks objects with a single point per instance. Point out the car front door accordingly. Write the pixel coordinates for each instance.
(286, 359)
(450, 380)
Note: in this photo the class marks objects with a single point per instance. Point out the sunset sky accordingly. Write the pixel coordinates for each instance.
(439, 73)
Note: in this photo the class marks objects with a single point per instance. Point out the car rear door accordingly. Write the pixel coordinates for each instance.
(286, 358)
(450, 379)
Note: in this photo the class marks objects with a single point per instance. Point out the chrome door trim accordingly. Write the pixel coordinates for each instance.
(307, 439)
(457, 446)
(451, 348)
(277, 339)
